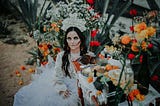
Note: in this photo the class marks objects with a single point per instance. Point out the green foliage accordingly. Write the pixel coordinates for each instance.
(28, 11)
(117, 10)
(35, 54)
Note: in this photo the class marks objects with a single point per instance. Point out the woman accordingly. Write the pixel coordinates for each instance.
(62, 89)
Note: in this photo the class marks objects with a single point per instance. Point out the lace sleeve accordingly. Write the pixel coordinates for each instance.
(59, 75)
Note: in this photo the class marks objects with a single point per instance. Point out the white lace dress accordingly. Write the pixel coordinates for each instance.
(44, 89)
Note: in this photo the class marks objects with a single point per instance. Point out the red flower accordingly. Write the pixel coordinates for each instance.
(91, 2)
(133, 12)
(150, 46)
(131, 56)
(132, 28)
(134, 40)
(40, 46)
(94, 33)
(94, 43)
(154, 78)
(141, 58)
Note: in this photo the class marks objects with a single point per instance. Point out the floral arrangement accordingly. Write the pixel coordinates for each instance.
(136, 43)
(97, 23)
(45, 50)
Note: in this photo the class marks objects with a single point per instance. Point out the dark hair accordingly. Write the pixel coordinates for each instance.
(83, 49)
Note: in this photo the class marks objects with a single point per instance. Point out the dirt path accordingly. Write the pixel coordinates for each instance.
(12, 57)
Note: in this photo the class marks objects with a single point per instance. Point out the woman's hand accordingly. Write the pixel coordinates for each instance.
(65, 94)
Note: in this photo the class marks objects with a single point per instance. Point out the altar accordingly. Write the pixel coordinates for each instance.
(91, 94)
(89, 90)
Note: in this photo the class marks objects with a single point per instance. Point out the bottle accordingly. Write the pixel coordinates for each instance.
(129, 74)
(143, 76)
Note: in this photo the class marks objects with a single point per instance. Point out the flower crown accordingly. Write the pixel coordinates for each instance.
(73, 21)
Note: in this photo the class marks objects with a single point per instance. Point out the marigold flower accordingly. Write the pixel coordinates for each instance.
(56, 29)
(125, 39)
(22, 67)
(20, 82)
(45, 53)
(144, 45)
(17, 72)
(151, 31)
(134, 47)
(43, 46)
(56, 50)
(53, 25)
(30, 70)
(139, 27)
(90, 79)
(108, 67)
(135, 92)
(131, 97)
(142, 35)
(140, 97)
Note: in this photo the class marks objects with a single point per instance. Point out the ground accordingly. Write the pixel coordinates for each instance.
(12, 57)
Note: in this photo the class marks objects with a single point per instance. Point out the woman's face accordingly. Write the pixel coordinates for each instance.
(73, 40)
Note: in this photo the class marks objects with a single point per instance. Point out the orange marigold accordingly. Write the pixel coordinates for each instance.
(144, 45)
(20, 82)
(90, 79)
(142, 35)
(22, 67)
(135, 92)
(30, 70)
(17, 72)
(139, 27)
(140, 97)
(134, 47)
(125, 39)
(108, 67)
(43, 46)
(56, 29)
(151, 31)
(54, 25)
